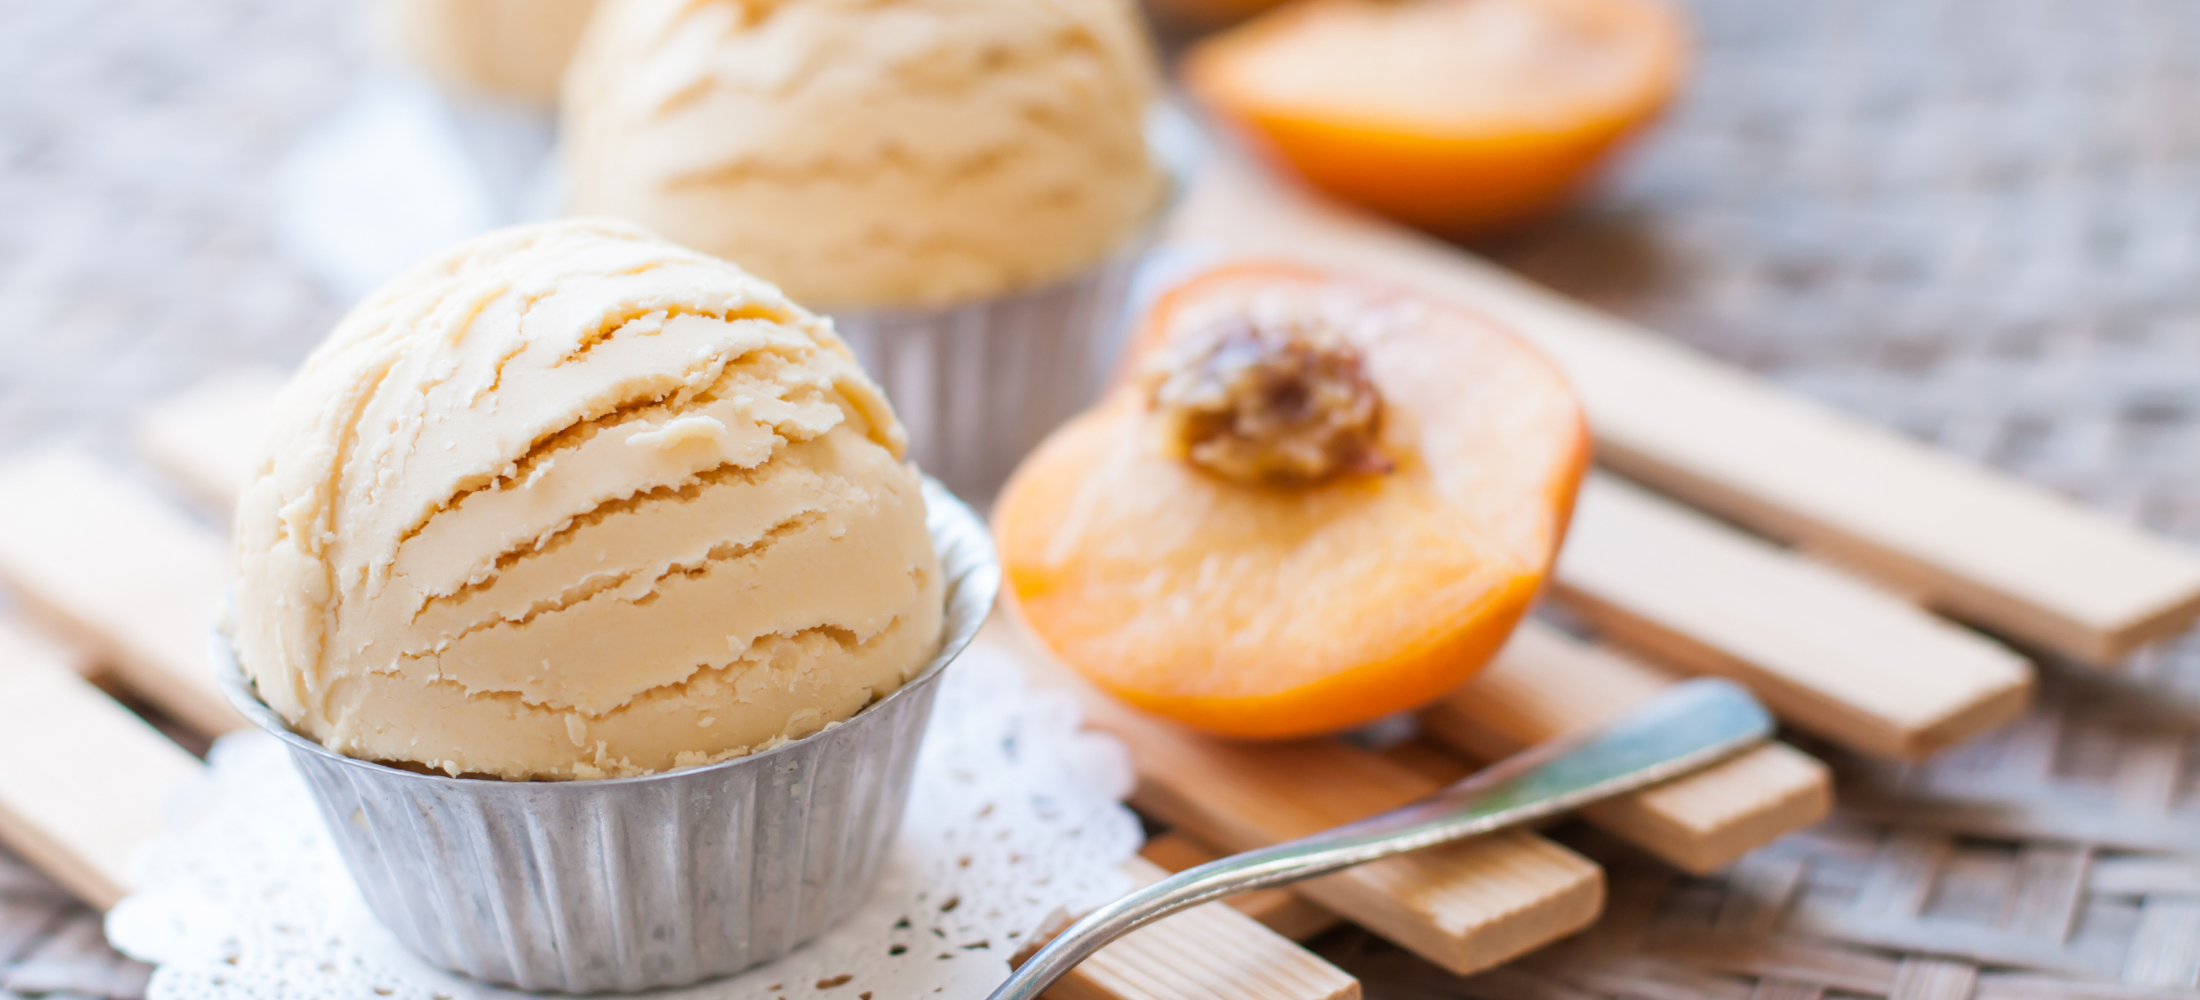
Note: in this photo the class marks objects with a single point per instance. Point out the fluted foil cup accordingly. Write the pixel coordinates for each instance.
(636, 883)
(978, 385)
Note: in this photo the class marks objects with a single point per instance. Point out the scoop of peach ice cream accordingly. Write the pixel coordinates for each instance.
(570, 501)
(515, 49)
(871, 153)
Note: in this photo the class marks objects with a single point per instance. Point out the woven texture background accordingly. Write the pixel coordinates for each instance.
(1977, 221)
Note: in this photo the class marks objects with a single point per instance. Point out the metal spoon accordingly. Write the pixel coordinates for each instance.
(1692, 725)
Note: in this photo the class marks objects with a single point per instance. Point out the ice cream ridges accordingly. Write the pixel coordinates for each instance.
(570, 501)
(868, 154)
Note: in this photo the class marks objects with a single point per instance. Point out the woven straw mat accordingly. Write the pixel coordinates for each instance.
(1977, 221)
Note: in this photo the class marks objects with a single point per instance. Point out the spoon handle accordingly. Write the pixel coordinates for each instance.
(1692, 725)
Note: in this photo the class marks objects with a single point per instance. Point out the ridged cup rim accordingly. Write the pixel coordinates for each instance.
(973, 580)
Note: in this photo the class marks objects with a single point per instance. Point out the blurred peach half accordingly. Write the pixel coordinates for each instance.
(1463, 117)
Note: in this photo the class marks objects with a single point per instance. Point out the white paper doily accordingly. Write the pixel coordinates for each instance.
(1015, 814)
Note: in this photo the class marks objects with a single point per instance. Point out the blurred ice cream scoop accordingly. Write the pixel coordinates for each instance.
(870, 153)
(514, 49)
(569, 501)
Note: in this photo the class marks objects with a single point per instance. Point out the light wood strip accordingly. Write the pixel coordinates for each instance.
(2029, 749)
(2163, 951)
(1902, 876)
(1545, 684)
(1280, 910)
(1758, 893)
(87, 778)
(1209, 951)
(120, 570)
(2051, 882)
(2144, 875)
(1971, 942)
(2032, 986)
(207, 437)
(1982, 546)
(1829, 653)
(1633, 976)
(2150, 775)
(1465, 906)
(1780, 958)
(1934, 979)
(1940, 808)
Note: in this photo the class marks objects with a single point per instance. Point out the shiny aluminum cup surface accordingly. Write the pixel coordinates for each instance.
(635, 883)
(979, 384)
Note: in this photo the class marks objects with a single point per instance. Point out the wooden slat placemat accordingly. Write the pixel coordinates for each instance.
(1975, 221)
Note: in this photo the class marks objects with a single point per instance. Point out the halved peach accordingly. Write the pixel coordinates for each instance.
(1467, 117)
(1381, 567)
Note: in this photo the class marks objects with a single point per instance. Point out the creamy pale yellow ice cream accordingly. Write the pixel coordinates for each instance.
(570, 501)
(868, 153)
(511, 48)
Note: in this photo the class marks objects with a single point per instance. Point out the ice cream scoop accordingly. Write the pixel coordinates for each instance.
(569, 501)
(870, 154)
(515, 49)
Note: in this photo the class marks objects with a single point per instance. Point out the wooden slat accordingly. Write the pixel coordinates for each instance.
(1780, 958)
(126, 573)
(1982, 546)
(1933, 979)
(207, 436)
(1826, 651)
(1465, 906)
(2162, 952)
(1999, 817)
(1989, 945)
(2142, 875)
(86, 778)
(1545, 684)
(1280, 910)
(1209, 951)
(2032, 986)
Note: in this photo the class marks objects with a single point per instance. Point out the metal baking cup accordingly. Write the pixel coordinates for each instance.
(978, 385)
(634, 883)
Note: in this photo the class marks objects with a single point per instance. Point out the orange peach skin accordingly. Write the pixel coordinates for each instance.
(1478, 174)
(1262, 612)
(1462, 187)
